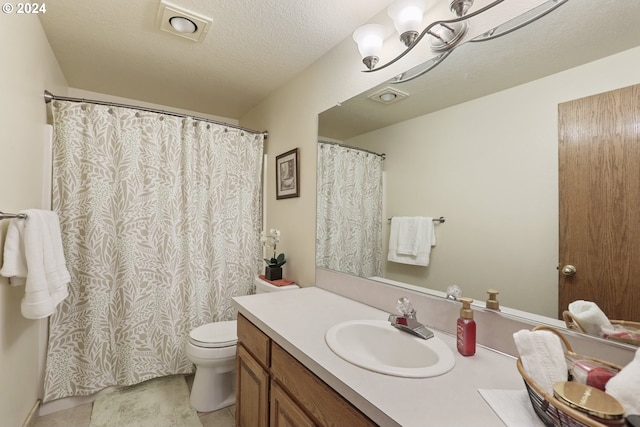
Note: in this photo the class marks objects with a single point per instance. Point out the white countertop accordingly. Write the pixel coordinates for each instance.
(297, 320)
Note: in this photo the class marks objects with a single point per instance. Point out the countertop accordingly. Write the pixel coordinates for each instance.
(297, 320)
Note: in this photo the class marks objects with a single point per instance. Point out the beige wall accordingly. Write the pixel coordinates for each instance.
(291, 113)
(28, 68)
(495, 179)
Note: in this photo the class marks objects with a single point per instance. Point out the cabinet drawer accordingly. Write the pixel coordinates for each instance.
(254, 340)
(317, 399)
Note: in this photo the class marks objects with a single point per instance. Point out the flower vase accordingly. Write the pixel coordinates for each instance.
(273, 273)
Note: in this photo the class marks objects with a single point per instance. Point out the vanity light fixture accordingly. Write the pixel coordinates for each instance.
(407, 17)
(182, 22)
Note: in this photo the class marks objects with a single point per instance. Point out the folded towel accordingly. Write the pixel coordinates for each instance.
(55, 266)
(542, 357)
(590, 316)
(14, 265)
(625, 386)
(278, 282)
(407, 235)
(425, 238)
(33, 250)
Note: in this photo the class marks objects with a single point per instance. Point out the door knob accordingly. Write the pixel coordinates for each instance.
(568, 270)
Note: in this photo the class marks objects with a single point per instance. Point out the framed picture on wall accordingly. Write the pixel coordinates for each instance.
(287, 175)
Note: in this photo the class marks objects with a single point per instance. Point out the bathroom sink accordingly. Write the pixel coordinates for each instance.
(377, 346)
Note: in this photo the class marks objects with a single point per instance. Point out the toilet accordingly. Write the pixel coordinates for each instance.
(212, 348)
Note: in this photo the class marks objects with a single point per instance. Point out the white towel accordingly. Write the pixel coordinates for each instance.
(33, 250)
(55, 265)
(590, 316)
(401, 247)
(542, 357)
(625, 386)
(14, 265)
(407, 235)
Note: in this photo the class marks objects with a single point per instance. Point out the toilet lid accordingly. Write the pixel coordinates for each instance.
(216, 334)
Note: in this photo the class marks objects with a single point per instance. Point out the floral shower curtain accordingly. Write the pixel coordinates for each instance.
(160, 219)
(349, 211)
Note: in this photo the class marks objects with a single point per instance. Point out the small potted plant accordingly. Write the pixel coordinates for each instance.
(273, 270)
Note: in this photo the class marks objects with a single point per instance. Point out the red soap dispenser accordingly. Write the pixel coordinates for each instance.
(466, 329)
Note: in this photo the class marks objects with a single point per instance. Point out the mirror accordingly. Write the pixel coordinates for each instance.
(475, 141)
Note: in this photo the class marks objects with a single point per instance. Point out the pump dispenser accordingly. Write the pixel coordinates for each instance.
(466, 329)
(492, 301)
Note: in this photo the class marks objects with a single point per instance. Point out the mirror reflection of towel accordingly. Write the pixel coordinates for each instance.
(411, 239)
(590, 316)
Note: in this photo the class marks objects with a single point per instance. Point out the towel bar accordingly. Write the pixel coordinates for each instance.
(9, 216)
(439, 220)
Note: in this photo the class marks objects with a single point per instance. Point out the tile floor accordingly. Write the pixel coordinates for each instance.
(80, 416)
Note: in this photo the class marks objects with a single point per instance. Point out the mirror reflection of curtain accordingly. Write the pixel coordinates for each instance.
(349, 218)
(160, 219)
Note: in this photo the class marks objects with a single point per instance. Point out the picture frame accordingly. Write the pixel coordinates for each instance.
(287, 175)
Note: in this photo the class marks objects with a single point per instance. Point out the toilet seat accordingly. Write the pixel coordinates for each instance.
(215, 335)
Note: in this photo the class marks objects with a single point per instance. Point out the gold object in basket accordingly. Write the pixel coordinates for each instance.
(588, 399)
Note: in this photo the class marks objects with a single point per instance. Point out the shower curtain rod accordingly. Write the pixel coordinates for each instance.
(48, 97)
(384, 156)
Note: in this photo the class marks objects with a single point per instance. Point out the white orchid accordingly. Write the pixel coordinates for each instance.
(272, 240)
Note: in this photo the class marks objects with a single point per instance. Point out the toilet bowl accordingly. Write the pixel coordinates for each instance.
(212, 348)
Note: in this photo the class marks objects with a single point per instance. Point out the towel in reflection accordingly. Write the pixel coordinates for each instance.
(411, 239)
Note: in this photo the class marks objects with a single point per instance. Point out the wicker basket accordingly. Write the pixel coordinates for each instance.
(550, 410)
(574, 324)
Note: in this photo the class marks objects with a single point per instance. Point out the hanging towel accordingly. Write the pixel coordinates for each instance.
(590, 316)
(542, 357)
(33, 251)
(625, 386)
(401, 245)
(407, 235)
(14, 265)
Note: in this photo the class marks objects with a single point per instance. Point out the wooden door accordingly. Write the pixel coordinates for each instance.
(599, 190)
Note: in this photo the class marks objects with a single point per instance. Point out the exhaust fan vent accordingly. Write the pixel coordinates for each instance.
(181, 22)
(388, 95)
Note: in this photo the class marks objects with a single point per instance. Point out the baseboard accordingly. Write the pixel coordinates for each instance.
(32, 418)
(71, 402)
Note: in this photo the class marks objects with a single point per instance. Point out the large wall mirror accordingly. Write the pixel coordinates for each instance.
(476, 141)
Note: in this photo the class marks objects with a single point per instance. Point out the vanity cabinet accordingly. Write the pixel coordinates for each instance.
(275, 390)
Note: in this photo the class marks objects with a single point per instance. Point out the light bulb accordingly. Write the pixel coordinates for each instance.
(369, 39)
(183, 25)
(407, 18)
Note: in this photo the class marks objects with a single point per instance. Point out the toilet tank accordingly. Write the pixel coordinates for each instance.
(262, 286)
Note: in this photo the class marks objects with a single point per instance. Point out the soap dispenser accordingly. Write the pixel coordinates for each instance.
(466, 329)
(492, 301)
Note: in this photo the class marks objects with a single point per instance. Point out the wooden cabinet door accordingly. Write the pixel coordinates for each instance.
(313, 395)
(285, 412)
(252, 391)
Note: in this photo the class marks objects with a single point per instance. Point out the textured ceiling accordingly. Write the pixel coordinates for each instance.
(252, 48)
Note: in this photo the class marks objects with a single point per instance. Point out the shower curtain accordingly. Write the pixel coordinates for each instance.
(349, 211)
(160, 219)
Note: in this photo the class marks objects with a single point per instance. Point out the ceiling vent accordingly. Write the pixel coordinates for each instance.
(183, 23)
(388, 95)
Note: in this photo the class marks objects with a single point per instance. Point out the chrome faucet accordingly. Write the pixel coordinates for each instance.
(407, 320)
